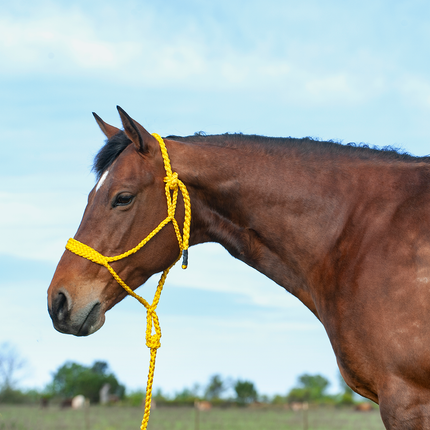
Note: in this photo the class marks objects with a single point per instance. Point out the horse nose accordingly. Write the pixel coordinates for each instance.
(72, 317)
(60, 307)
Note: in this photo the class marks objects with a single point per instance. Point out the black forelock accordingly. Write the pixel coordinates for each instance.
(109, 152)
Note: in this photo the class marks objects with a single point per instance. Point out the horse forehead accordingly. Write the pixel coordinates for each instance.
(102, 180)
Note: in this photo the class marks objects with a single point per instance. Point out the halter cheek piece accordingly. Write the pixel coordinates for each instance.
(172, 187)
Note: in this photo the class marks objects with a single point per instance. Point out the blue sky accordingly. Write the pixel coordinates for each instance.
(352, 71)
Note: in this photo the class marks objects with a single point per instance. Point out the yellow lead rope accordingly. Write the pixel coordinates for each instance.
(173, 185)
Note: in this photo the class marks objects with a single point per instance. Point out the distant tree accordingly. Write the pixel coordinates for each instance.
(317, 384)
(135, 398)
(185, 396)
(196, 389)
(347, 394)
(159, 396)
(215, 388)
(11, 363)
(278, 400)
(264, 398)
(298, 394)
(72, 379)
(245, 392)
(188, 395)
(11, 366)
(13, 396)
(311, 388)
(100, 367)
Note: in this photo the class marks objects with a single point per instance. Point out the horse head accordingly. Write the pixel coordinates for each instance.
(127, 203)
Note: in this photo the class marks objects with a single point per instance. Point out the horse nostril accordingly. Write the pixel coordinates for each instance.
(60, 306)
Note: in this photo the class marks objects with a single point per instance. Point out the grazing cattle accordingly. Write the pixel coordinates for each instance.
(78, 402)
(202, 405)
(113, 398)
(257, 405)
(299, 406)
(66, 403)
(364, 407)
(44, 402)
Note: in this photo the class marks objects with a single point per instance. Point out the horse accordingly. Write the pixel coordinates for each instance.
(344, 228)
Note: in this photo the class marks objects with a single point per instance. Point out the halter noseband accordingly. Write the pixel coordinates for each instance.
(173, 183)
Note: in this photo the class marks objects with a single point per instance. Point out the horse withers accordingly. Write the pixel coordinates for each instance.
(345, 229)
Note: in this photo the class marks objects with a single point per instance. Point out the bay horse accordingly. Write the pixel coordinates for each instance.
(344, 229)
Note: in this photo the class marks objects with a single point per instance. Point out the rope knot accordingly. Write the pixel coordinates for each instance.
(172, 181)
(153, 342)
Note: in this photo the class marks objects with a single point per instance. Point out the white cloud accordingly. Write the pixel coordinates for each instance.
(72, 42)
(93, 55)
(335, 87)
(57, 41)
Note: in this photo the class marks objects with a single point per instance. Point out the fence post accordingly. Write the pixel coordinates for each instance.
(196, 418)
(87, 414)
(305, 409)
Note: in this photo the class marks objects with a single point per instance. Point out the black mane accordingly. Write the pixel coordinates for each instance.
(116, 144)
(304, 145)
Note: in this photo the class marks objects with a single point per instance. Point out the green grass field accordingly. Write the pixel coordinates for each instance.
(127, 418)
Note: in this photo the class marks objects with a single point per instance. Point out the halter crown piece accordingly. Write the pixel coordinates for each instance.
(172, 187)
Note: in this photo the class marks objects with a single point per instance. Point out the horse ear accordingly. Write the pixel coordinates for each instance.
(108, 130)
(136, 133)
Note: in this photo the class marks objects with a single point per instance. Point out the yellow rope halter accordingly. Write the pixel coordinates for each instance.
(152, 340)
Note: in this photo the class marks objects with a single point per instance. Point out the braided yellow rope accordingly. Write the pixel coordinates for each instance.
(172, 187)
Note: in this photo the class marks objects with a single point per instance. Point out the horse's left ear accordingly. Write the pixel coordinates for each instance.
(108, 130)
(136, 133)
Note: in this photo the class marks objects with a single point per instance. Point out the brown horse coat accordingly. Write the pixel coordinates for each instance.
(344, 229)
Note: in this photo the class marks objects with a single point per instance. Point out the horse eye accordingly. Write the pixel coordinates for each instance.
(123, 200)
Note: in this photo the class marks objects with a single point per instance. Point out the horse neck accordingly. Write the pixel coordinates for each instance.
(275, 211)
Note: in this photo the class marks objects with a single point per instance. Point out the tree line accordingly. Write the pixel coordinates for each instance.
(72, 379)
(309, 389)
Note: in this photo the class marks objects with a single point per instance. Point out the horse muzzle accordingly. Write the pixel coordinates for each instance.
(70, 318)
